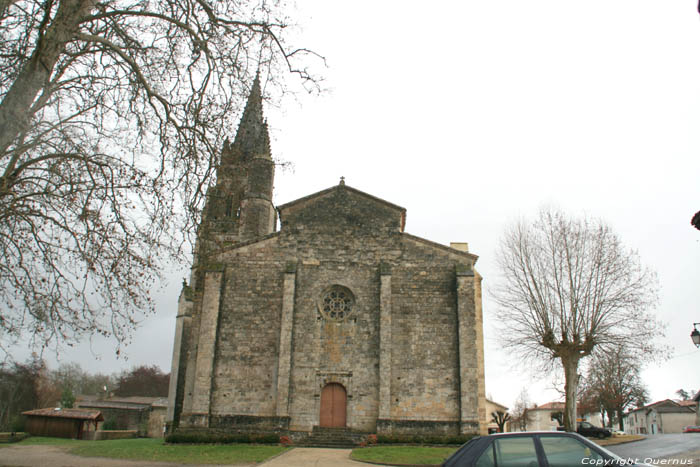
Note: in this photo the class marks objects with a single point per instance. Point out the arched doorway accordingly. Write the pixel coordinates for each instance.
(333, 405)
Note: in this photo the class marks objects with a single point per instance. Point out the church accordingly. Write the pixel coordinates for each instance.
(322, 312)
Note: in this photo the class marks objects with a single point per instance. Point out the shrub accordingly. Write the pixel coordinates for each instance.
(417, 439)
(17, 423)
(110, 423)
(221, 438)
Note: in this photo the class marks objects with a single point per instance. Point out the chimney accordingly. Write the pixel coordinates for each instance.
(460, 246)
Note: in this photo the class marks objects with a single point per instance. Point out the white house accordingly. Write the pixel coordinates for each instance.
(665, 416)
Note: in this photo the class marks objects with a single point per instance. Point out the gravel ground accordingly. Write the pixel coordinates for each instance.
(56, 456)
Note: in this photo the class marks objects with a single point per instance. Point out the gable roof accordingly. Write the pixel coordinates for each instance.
(342, 186)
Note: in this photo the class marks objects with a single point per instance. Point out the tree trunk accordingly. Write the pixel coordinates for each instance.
(619, 420)
(570, 364)
(35, 74)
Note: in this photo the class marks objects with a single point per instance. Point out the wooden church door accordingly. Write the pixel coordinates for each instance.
(333, 405)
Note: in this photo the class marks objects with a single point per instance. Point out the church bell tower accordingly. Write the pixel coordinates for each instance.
(239, 207)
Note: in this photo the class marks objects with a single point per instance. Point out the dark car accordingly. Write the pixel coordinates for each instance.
(592, 431)
(534, 449)
(589, 431)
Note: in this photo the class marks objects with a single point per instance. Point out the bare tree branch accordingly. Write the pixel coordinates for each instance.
(112, 117)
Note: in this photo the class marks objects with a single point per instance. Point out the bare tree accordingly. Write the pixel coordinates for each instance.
(18, 391)
(112, 116)
(521, 415)
(569, 287)
(143, 381)
(614, 381)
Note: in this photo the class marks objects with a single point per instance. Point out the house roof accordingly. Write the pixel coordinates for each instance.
(664, 406)
(79, 414)
(129, 403)
(550, 406)
(501, 406)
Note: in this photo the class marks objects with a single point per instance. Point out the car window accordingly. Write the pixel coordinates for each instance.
(586, 425)
(565, 451)
(510, 452)
(486, 459)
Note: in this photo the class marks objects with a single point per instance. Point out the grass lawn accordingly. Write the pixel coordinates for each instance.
(617, 440)
(151, 449)
(411, 455)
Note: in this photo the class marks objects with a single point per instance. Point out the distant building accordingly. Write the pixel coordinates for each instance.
(543, 417)
(492, 407)
(546, 417)
(62, 423)
(665, 416)
(145, 415)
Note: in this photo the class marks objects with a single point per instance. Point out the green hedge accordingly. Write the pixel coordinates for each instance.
(214, 438)
(12, 437)
(417, 439)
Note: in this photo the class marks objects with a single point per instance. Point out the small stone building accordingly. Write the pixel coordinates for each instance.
(145, 415)
(339, 318)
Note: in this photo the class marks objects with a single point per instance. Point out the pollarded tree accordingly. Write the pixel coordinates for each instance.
(569, 286)
(500, 418)
(112, 116)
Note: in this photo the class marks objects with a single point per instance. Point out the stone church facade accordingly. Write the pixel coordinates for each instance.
(338, 319)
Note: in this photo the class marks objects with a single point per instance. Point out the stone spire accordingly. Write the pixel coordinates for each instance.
(252, 138)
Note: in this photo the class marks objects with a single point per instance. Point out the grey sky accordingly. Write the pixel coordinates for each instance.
(470, 114)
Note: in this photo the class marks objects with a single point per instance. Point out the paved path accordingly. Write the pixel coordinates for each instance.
(659, 446)
(314, 457)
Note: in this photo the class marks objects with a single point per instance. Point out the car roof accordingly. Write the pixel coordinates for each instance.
(542, 432)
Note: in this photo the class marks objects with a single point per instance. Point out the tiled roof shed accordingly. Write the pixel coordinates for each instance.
(61, 423)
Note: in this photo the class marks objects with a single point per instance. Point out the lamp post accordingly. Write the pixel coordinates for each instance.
(695, 335)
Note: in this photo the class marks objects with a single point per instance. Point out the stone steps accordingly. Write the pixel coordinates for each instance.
(332, 438)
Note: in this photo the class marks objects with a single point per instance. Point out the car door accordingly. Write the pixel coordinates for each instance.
(565, 451)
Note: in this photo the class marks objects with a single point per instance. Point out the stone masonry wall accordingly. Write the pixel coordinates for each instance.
(338, 239)
(425, 379)
(245, 367)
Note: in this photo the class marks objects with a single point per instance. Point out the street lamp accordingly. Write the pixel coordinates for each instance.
(695, 335)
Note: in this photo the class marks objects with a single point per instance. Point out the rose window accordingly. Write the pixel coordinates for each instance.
(337, 303)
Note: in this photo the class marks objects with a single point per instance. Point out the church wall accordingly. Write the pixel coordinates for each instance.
(245, 369)
(325, 351)
(425, 378)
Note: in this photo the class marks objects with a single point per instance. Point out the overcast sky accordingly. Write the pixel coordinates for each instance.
(471, 114)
